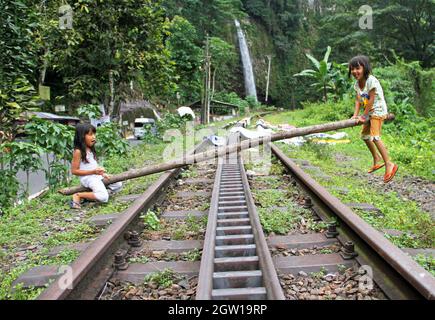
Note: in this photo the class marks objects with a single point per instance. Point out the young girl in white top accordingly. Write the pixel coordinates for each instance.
(370, 96)
(84, 164)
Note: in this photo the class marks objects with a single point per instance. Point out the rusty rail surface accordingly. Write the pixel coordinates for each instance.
(236, 262)
(398, 275)
(94, 266)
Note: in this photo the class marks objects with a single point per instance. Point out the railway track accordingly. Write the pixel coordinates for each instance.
(375, 260)
(237, 260)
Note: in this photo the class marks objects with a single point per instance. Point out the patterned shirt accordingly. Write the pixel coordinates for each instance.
(379, 107)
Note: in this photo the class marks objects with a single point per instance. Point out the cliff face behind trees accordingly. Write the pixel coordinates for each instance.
(287, 30)
(154, 49)
(271, 28)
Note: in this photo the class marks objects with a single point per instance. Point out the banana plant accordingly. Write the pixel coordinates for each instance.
(322, 73)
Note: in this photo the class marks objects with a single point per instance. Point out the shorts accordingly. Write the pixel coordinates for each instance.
(99, 189)
(372, 130)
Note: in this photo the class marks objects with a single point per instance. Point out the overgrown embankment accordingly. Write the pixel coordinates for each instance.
(343, 166)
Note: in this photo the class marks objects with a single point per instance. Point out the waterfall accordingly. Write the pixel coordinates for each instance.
(246, 61)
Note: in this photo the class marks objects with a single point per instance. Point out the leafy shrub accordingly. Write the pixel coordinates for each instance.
(253, 103)
(172, 121)
(54, 138)
(9, 190)
(16, 98)
(333, 116)
(232, 98)
(408, 81)
(163, 278)
(151, 220)
(89, 111)
(16, 156)
(109, 140)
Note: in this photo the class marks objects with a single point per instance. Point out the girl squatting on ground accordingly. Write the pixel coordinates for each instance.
(370, 95)
(84, 164)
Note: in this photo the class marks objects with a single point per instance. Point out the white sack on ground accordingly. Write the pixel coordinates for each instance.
(217, 141)
(182, 111)
(335, 136)
(249, 134)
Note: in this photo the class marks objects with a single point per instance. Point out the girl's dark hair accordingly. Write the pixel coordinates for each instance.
(360, 61)
(79, 139)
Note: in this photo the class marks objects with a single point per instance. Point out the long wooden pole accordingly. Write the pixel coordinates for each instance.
(221, 151)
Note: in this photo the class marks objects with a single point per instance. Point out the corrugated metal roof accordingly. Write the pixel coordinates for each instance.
(52, 116)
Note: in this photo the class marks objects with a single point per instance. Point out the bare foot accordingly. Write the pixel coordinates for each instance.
(75, 203)
(76, 198)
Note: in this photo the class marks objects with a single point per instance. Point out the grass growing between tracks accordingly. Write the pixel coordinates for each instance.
(192, 228)
(65, 257)
(396, 213)
(30, 230)
(48, 221)
(163, 278)
(344, 166)
(148, 256)
(278, 212)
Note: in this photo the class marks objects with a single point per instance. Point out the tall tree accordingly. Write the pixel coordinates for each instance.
(403, 25)
(208, 16)
(18, 62)
(113, 42)
(187, 57)
(408, 28)
(224, 61)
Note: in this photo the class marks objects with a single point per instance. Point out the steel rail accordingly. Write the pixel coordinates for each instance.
(271, 281)
(205, 278)
(236, 262)
(392, 262)
(95, 262)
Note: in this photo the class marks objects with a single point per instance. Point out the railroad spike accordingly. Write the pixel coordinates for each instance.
(127, 235)
(119, 261)
(348, 251)
(134, 239)
(332, 230)
(307, 203)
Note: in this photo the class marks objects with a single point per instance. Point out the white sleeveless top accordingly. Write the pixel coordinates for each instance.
(379, 106)
(90, 165)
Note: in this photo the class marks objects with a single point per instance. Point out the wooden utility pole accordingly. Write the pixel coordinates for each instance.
(112, 93)
(221, 151)
(205, 110)
(269, 57)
